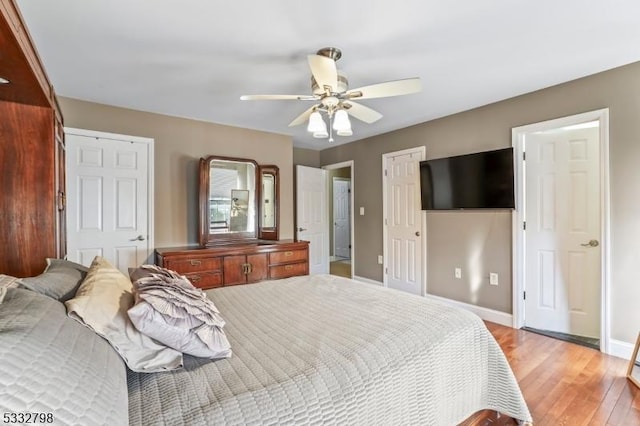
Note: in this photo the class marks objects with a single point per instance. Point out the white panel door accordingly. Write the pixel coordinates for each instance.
(107, 199)
(312, 216)
(403, 220)
(341, 218)
(563, 231)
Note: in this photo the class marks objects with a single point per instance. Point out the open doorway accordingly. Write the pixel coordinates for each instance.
(340, 197)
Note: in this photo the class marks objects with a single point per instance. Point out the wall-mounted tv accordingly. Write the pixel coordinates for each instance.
(483, 180)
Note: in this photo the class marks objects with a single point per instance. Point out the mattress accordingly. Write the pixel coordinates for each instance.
(323, 349)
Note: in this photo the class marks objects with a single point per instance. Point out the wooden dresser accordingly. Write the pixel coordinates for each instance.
(234, 264)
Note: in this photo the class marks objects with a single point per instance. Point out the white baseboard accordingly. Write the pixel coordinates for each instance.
(486, 314)
(620, 349)
(368, 281)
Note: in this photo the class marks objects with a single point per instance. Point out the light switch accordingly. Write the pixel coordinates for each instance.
(493, 278)
(361, 211)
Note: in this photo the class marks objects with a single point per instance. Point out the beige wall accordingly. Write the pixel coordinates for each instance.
(306, 157)
(482, 240)
(179, 144)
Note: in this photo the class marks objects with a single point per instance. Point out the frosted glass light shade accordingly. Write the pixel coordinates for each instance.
(346, 132)
(316, 124)
(321, 134)
(341, 121)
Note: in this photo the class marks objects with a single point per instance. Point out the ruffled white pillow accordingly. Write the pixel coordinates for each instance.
(172, 311)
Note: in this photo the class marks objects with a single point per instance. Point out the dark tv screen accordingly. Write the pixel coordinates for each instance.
(483, 180)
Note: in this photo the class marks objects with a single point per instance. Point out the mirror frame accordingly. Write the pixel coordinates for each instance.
(270, 233)
(207, 238)
(632, 362)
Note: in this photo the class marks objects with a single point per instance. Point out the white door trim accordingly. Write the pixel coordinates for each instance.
(341, 165)
(150, 142)
(422, 150)
(517, 140)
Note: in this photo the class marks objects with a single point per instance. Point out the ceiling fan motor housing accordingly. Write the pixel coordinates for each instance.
(343, 84)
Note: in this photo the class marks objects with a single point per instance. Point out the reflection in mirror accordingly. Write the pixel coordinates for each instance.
(268, 198)
(269, 214)
(228, 199)
(231, 184)
(633, 373)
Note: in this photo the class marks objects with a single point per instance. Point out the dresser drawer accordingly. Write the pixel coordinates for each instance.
(287, 256)
(205, 279)
(290, 270)
(187, 265)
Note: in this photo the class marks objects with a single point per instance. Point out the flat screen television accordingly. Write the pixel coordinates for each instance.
(483, 180)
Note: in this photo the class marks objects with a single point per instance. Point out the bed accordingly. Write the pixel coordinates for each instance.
(306, 350)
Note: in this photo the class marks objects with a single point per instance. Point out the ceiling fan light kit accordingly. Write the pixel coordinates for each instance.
(330, 88)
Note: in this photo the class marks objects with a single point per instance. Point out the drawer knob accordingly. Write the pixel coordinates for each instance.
(288, 267)
(195, 262)
(288, 253)
(195, 278)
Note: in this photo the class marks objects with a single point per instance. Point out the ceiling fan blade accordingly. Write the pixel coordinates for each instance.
(362, 113)
(302, 118)
(324, 71)
(389, 88)
(278, 97)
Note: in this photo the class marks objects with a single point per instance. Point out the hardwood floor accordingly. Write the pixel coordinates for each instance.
(567, 384)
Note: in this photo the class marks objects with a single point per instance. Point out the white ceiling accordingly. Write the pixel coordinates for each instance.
(195, 58)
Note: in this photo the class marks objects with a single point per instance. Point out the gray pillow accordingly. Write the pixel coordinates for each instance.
(53, 365)
(60, 279)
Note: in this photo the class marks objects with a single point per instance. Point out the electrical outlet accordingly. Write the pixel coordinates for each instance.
(458, 273)
(380, 259)
(493, 278)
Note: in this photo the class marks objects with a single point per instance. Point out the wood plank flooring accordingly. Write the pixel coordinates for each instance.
(567, 384)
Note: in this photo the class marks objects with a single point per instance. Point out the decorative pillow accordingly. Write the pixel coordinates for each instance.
(60, 279)
(101, 303)
(55, 366)
(174, 312)
(8, 281)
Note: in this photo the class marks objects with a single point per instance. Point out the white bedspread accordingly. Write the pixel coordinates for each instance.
(326, 350)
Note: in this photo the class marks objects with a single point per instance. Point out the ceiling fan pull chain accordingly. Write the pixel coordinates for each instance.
(330, 127)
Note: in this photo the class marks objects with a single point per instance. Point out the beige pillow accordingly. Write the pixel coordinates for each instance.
(101, 303)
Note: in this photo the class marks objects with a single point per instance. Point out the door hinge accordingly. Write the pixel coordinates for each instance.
(386, 222)
(524, 225)
(524, 156)
(385, 172)
(62, 201)
(524, 295)
(349, 246)
(386, 270)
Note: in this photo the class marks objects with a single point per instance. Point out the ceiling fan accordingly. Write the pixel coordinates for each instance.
(330, 89)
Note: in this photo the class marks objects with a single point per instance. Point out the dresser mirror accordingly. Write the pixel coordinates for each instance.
(229, 192)
(269, 196)
(239, 200)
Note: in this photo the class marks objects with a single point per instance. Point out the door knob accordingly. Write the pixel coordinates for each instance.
(417, 233)
(138, 238)
(302, 229)
(591, 243)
